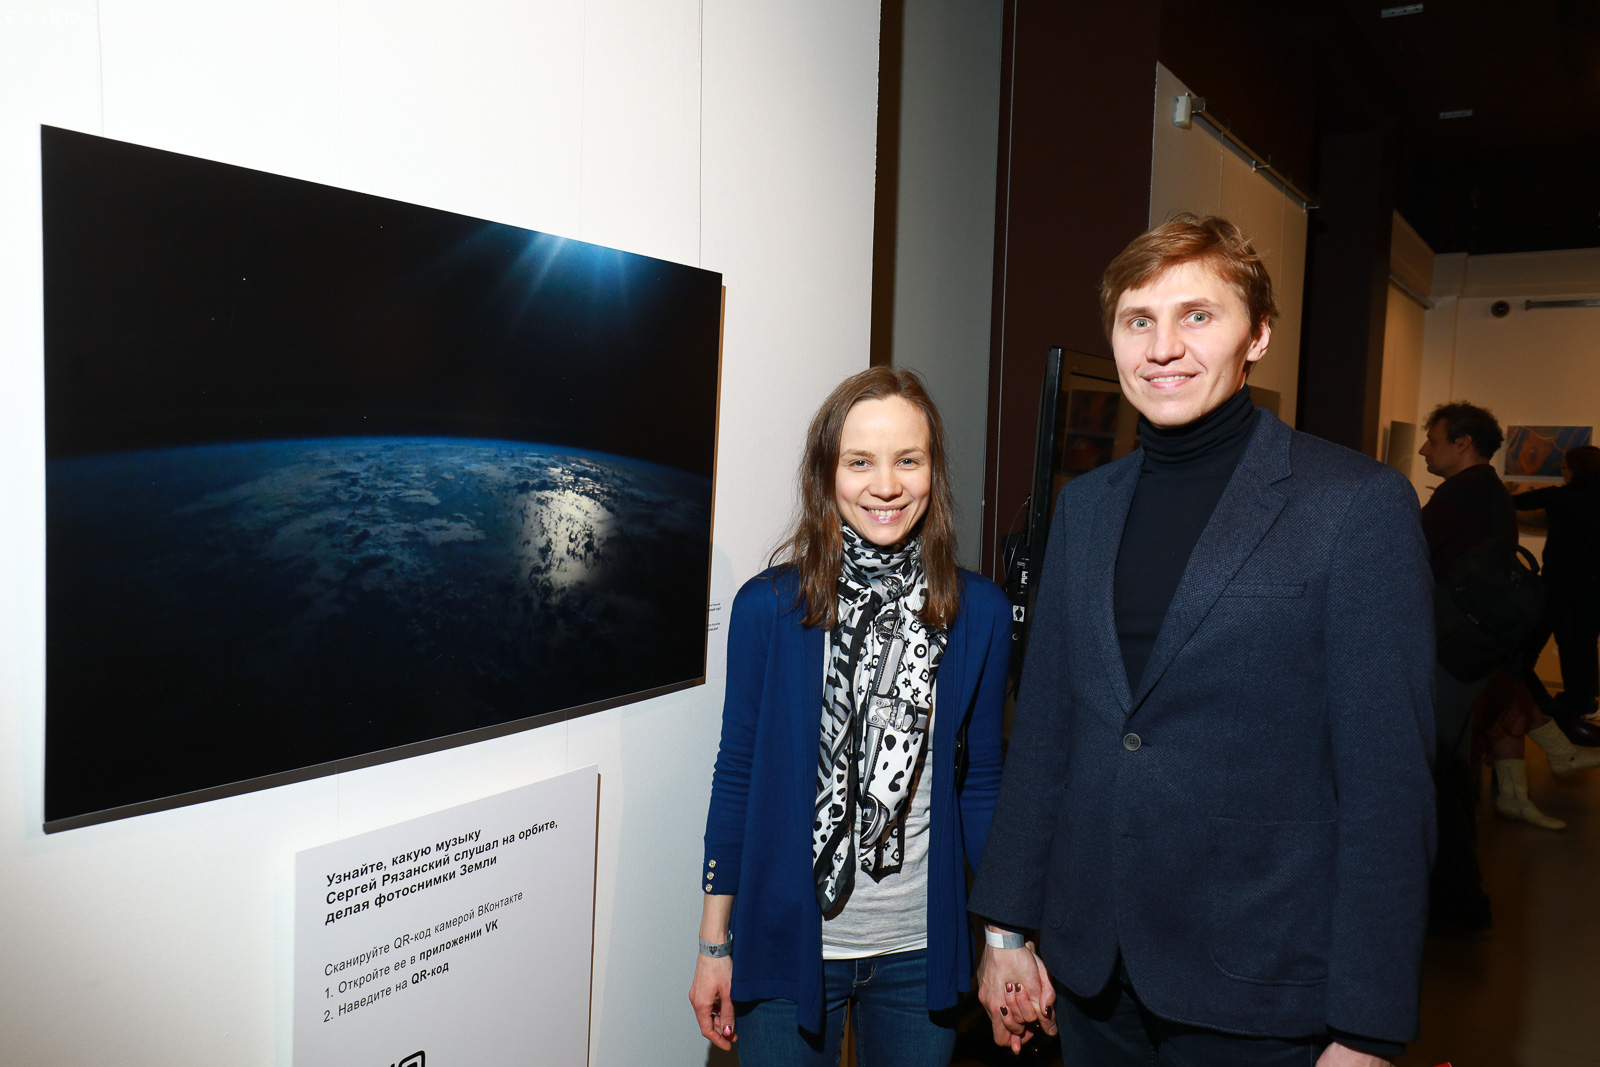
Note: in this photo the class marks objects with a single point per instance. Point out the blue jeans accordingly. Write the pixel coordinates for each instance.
(888, 998)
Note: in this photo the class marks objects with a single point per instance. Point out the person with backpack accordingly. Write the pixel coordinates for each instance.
(1470, 525)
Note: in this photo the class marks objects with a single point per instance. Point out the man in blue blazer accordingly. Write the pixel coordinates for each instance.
(1216, 810)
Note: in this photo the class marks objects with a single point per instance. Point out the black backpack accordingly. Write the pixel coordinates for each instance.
(1486, 607)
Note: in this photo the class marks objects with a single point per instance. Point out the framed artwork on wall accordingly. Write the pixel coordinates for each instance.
(334, 479)
(1534, 452)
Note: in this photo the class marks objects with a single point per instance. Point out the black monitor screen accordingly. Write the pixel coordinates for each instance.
(333, 479)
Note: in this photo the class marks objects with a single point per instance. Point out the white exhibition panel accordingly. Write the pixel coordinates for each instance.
(732, 136)
(1192, 170)
(463, 935)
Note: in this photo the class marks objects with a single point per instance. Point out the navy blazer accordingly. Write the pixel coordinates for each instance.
(1253, 828)
(764, 790)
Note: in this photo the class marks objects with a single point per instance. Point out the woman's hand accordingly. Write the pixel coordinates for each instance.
(1337, 1055)
(711, 993)
(1014, 988)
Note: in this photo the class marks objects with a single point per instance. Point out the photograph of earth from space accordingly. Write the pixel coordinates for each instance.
(332, 478)
(352, 590)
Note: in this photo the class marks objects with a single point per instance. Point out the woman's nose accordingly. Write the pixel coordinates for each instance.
(886, 483)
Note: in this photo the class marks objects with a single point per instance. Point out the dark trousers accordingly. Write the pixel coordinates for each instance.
(1572, 617)
(1456, 896)
(1575, 621)
(1113, 1029)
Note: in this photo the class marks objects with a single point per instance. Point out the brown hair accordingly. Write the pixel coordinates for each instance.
(1187, 238)
(815, 547)
(1462, 419)
(1584, 463)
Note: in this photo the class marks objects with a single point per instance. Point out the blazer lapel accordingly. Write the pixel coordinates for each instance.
(1248, 508)
(1109, 518)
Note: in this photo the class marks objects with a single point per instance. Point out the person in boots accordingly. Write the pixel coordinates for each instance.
(1469, 508)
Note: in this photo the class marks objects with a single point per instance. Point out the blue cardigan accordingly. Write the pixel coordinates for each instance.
(763, 794)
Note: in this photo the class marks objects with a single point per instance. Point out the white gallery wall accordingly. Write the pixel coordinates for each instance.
(733, 136)
(1192, 170)
(1532, 367)
(944, 230)
(1404, 327)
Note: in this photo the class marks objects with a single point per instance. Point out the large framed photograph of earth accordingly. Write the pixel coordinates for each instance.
(333, 479)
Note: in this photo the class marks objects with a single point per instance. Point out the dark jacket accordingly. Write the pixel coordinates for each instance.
(1465, 510)
(1572, 551)
(1252, 829)
(763, 794)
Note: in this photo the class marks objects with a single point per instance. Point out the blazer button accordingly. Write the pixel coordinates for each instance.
(1131, 742)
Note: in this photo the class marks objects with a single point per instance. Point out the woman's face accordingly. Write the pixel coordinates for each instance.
(883, 480)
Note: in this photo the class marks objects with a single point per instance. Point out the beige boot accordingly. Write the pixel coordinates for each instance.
(1565, 757)
(1512, 799)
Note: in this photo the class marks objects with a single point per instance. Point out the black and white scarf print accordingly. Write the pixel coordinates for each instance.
(869, 750)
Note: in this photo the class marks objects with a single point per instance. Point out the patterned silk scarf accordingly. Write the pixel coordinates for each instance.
(877, 698)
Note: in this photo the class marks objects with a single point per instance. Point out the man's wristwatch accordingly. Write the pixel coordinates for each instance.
(717, 951)
(1003, 938)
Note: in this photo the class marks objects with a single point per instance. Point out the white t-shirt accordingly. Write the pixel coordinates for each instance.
(892, 915)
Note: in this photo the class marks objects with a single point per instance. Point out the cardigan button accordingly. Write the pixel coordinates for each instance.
(712, 863)
(1131, 742)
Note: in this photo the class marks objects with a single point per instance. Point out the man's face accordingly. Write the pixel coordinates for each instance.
(1446, 458)
(1183, 343)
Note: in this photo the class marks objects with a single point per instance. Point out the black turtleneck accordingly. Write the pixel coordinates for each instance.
(1184, 472)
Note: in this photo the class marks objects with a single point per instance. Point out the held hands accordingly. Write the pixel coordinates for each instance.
(1337, 1055)
(1014, 988)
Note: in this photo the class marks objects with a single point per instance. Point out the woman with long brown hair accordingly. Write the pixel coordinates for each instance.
(860, 755)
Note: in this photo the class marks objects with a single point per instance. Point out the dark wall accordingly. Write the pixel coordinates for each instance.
(1254, 62)
(1347, 288)
(1074, 188)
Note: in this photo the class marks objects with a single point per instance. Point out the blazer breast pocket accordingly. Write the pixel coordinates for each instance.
(1274, 590)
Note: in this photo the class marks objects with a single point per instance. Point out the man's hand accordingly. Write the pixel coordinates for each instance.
(1337, 1055)
(711, 994)
(1014, 988)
